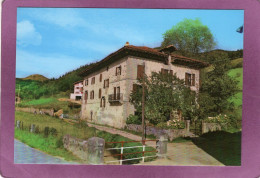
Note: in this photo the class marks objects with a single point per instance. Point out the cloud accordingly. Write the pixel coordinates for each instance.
(49, 65)
(27, 34)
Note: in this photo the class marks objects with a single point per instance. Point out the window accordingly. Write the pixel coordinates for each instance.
(93, 81)
(103, 102)
(165, 71)
(190, 79)
(118, 71)
(86, 97)
(100, 78)
(116, 93)
(140, 71)
(86, 82)
(106, 83)
(99, 93)
(92, 94)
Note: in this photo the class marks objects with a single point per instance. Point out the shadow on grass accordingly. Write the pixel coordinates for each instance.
(223, 146)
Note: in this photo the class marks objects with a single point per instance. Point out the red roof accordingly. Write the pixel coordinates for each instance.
(143, 51)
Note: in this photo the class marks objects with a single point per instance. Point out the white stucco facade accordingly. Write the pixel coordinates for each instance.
(116, 113)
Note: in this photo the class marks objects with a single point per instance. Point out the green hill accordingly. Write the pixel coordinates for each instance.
(29, 88)
(36, 77)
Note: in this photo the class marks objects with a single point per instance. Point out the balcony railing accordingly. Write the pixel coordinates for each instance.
(118, 97)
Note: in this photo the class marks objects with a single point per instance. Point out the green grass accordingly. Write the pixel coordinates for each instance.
(238, 75)
(237, 63)
(77, 130)
(223, 146)
(48, 103)
(41, 101)
(181, 140)
(48, 145)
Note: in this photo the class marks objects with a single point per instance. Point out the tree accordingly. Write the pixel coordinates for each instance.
(189, 36)
(164, 93)
(217, 88)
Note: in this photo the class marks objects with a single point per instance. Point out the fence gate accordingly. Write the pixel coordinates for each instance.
(122, 148)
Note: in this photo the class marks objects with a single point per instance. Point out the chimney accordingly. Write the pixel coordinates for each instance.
(127, 43)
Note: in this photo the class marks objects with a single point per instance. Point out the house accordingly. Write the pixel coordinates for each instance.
(108, 84)
(78, 90)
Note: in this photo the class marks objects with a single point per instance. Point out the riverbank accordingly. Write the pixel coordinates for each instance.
(50, 145)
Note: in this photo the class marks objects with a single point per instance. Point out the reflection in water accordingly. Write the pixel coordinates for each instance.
(24, 154)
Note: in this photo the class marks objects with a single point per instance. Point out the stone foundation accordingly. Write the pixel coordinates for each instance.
(36, 111)
(171, 133)
(210, 127)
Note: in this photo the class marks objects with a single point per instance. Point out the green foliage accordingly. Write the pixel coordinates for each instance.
(133, 119)
(46, 131)
(223, 146)
(217, 88)
(32, 89)
(172, 124)
(189, 36)
(164, 93)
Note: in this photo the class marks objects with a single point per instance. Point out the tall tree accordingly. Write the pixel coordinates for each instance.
(189, 36)
(217, 88)
(164, 93)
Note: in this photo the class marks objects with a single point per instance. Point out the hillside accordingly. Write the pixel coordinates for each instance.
(36, 86)
(36, 77)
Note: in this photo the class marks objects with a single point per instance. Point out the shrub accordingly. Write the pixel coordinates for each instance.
(53, 132)
(46, 131)
(172, 124)
(59, 143)
(37, 129)
(133, 119)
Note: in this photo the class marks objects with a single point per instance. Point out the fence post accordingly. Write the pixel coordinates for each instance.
(187, 125)
(32, 129)
(18, 124)
(96, 150)
(161, 146)
(143, 153)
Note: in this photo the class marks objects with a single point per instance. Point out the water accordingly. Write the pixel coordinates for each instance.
(23, 154)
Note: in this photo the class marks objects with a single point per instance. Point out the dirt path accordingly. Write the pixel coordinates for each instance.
(181, 154)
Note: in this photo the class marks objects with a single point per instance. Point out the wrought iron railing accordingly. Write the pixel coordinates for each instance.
(115, 97)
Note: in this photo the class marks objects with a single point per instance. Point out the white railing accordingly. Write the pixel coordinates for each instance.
(121, 160)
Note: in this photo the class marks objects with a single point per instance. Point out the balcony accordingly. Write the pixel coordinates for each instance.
(115, 98)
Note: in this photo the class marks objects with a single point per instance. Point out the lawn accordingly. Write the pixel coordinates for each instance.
(49, 103)
(237, 73)
(223, 146)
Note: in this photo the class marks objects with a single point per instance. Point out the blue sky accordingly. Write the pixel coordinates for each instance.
(53, 41)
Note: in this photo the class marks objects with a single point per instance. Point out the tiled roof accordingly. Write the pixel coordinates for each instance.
(182, 60)
(143, 51)
(78, 82)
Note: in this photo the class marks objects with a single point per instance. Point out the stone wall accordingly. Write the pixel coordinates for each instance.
(171, 133)
(210, 127)
(76, 146)
(37, 111)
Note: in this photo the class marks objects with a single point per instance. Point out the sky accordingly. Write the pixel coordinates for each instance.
(53, 41)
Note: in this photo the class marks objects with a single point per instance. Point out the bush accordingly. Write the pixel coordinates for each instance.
(172, 124)
(53, 132)
(46, 131)
(133, 119)
(59, 143)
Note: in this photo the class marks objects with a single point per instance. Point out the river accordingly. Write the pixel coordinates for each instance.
(23, 154)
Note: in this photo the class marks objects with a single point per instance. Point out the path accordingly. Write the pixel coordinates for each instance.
(70, 100)
(23, 154)
(186, 153)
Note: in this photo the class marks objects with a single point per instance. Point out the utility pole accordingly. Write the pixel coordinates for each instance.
(143, 98)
